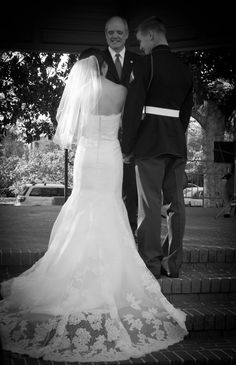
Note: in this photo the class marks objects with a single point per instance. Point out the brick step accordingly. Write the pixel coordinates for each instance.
(201, 285)
(210, 303)
(212, 318)
(192, 351)
(197, 285)
(192, 256)
(208, 255)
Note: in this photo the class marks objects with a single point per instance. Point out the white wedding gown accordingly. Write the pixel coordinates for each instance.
(90, 297)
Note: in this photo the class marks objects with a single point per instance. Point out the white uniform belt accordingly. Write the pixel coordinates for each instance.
(161, 111)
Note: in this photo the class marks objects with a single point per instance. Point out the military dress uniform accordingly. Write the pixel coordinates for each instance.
(156, 117)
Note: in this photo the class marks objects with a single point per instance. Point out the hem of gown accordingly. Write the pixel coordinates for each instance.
(43, 354)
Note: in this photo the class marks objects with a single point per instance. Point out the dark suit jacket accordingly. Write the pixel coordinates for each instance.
(171, 87)
(130, 61)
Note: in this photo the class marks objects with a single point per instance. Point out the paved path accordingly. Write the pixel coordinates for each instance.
(29, 227)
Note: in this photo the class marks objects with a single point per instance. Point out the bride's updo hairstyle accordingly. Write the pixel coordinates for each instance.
(93, 52)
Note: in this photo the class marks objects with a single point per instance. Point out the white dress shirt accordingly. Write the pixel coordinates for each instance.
(113, 55)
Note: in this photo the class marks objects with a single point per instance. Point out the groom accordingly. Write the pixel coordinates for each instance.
(121, 63)
(156, 117)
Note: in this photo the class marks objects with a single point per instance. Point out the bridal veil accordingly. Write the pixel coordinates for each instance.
(79, 99)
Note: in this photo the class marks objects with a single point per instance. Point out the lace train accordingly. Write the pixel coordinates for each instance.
(97, 335)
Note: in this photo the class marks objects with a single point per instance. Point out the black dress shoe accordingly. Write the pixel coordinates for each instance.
(226, 215)
(172, 275)
(169, 274)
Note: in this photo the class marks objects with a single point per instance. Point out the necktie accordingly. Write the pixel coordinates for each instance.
(118, 65)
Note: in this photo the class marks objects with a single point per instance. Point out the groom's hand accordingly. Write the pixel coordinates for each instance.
(127, 158)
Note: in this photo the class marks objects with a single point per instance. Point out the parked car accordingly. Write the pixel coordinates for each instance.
(191, 189)
(196, 200)
(42, 194)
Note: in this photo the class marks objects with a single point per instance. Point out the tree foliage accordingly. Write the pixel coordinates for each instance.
(214, 72)
(31, 85)
(44, 163)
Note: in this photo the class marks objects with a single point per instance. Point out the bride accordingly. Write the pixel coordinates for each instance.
(90, 297)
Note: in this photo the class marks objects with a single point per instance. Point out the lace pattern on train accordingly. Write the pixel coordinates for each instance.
(131, 331)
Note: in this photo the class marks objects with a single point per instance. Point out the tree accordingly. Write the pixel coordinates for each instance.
(43, 163)
(195, 162)
(12, 146)
(214, 108)
(31, 86)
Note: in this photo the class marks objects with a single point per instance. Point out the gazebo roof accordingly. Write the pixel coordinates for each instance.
(71, 26)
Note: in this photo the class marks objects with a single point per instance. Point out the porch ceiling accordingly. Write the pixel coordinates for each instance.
(71, 26)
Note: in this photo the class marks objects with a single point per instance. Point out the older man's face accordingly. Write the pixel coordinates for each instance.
(116, 35)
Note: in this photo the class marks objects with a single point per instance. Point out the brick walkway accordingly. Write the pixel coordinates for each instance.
(29, 227)
(205, 290)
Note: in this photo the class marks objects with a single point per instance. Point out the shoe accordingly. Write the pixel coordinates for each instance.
(169, 274)
(226, 215)
(172, 275)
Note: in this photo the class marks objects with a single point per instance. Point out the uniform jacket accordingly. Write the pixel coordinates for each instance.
(171, 88)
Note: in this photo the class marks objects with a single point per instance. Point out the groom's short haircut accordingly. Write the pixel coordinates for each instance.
(152, 23)
(123, 20)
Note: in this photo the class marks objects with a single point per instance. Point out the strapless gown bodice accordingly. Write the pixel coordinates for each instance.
(102, 127)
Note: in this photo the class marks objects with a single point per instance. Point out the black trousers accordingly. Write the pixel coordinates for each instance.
(130, 195)
(160, 181)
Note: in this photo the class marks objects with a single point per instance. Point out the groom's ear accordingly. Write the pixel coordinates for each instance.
(151, 35)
